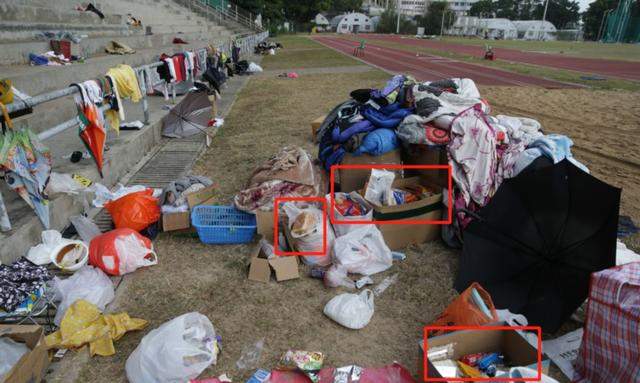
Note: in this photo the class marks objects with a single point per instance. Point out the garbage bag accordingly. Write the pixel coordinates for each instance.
(134, 211)
(121, 251)
(175, 352)
(362, 251)
(306, 227)
(464, 310)
(337, 276)
(349, 207)
(353, 311)
(86, 228)
(41, 253)
(88, 283)
(11, 352)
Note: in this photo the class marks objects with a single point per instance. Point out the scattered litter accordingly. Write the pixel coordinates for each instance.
(121, 251)
(176, 351)
(63, 183)
(135, 210)
(11, 352)
(362, 251)
(625, 255)
(307, 362)
(254, 68)
(353, 311)
(388, 281)
(364, 281)
(398, 256)
(260, 376)
(104, 195)
(85, 227)
(473, 307)
(133, 125)
(563, 351)
(84, 323)
(117, 48)
(250, 356)
(626, 227)
(89, 284)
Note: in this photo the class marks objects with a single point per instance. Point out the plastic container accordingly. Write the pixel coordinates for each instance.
(223, 224)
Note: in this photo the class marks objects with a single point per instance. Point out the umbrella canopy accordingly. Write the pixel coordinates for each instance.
(93, 134)
(27, 166)
(189, 117)
(536, 242)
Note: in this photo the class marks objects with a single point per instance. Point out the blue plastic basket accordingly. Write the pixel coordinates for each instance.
(223, 224)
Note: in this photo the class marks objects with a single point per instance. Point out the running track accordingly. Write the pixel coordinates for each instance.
(429, 67)
(628, 70)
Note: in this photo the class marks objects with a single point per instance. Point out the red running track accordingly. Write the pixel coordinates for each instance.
(430, 67)
(628, 70)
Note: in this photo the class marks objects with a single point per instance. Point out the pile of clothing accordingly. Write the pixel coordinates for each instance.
(174, 195)
(266, 48)
(290, 173)
(20, 280)
(366, 124)
(483, 150)
(49, 58)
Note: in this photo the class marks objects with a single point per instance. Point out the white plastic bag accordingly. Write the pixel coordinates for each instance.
(63, 183)
(88, 283)
(175, 352)
(10, 352)
(134, 254)
(41, 254)
(526, 372)
(342, 229)
(379, 187)
(311, 239)
(337, 276)
(104, 195)
(85, 227)
(353, 311)
(250, 357)
(254, 68)
(362, 251)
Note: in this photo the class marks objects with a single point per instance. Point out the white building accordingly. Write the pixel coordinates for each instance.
(354, 22)
(465, 26)
(535, 30)
(461, 7)
(413, 8)
(500, 29)
(374, 7)
(321, 22)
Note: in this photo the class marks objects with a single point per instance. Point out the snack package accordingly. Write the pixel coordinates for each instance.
(304, 224)
(308, 362)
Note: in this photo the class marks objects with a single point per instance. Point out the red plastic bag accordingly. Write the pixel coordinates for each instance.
(121, 251)
(464, 312)
(134, 211)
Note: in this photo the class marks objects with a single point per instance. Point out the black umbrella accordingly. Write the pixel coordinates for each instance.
(534, 245)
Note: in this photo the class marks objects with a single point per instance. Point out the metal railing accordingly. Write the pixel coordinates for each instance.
(245, 43)
(225, 11)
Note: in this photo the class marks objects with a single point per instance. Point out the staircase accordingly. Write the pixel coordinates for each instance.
(21, 20)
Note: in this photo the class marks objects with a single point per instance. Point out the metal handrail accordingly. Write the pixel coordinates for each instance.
(246, 44)
(231, 12)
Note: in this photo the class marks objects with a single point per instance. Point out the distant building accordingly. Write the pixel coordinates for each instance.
(465, 26)
(500, 29)
(413, 8)
(374, 7)
(321, 22)
(354, 22)
(461, 7)
(535, 30)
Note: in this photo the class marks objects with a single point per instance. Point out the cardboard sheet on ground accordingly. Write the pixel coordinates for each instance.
(394, 373)
(563, 351)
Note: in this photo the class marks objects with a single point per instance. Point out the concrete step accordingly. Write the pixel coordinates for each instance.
(20, 31)
(18, 52)
(28, 14)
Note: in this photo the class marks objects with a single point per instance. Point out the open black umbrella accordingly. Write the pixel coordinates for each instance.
(534, 245)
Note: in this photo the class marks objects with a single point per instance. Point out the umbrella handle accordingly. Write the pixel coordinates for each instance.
(471, 213)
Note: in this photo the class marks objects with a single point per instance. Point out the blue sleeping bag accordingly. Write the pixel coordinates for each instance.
(378, 142)
(389, 120)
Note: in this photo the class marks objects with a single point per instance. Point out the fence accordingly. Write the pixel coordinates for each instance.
(246, 44)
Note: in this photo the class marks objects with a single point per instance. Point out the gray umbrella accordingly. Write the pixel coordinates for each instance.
(190, 116)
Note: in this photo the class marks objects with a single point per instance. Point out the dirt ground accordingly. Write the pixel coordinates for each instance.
(272, 112)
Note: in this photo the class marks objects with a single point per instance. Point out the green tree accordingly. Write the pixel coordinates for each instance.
(341, 6)
(388, 23)
(592, 17)
(507, 9)
(432, 20)
(482, 8)
(559, 13)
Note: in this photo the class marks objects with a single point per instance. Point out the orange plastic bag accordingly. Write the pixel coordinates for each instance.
(135, 211)
(463, 311)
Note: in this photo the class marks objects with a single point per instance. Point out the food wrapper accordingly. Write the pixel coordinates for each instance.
(347, 374)
(304, 224)
(308, 362)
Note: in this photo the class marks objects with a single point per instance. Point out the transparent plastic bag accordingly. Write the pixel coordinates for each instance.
(85, 227)
(362, 251)
(11, 352)
(88, 283)
(305, 224)
(250, 357)
(175, 352)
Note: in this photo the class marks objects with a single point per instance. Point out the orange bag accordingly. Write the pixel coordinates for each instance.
(464, 312)
(135, 211)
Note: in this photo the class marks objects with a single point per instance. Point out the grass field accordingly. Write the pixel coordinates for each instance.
(585, 49)
(300, 52)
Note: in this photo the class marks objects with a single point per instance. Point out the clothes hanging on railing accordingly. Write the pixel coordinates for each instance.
(125, 86)
(92, 131)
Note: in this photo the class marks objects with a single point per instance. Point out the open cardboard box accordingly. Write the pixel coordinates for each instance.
(260, 268)
(398, 236)
(32, 366)
(181, 221)
(353, 179)
(516, 350)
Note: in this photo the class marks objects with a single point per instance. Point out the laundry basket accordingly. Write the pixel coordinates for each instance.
(223, 224)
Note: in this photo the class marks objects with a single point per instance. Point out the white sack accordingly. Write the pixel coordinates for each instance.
(353, 311)
(362, 251)
(88, 283)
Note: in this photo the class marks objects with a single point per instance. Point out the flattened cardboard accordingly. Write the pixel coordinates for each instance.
(176, 221)
(354, 179)
(33, 365)
(201, 197)
(400, 236)
(514, 347)
(315, 125)
(284, 267)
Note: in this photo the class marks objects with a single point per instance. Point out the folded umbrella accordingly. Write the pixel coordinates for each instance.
(535, 244)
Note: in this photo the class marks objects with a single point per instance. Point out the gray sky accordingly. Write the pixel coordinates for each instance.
(584, 4)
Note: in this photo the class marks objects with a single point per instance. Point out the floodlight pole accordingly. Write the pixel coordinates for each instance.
(398, 20)
(442, 22)
(544, 17)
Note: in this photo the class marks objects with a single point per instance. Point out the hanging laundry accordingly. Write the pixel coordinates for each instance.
(125, 86)
(91, 127)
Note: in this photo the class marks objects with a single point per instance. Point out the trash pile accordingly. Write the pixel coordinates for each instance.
(267, 48)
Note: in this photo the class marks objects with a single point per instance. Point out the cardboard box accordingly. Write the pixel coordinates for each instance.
(354, 179)
(516, 349)
(315, 125)
(33, 365)
(176, 221)
(260, 268)
(398, 236)
(204, 196)
(426, 155)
